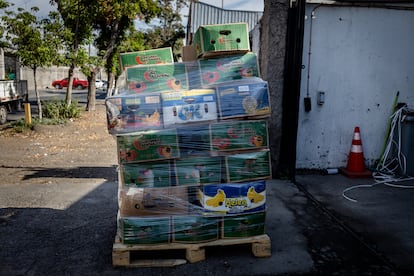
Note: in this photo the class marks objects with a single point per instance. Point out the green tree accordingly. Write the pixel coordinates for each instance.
(76, 18)
(30, 40)
(168, 30)
(113, 23)
(3, 5)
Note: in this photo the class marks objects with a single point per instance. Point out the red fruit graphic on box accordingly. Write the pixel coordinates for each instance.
(138, 145)
(128, 155)
(211, 77)
(138, 60)
(221, 143)
(138, 86)
(256, 140)
(174, 84)
(147, 76)
(165, 151)
(220, 66)
(246, 72)
(231, 133)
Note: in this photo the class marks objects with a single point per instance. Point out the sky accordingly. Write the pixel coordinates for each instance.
(248, 5)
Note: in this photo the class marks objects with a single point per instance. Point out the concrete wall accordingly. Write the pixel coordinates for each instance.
(360, 57)
(272, 60)
(45, 76)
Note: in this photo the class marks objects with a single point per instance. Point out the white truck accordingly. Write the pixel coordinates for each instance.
(13, 91)
(12, 95)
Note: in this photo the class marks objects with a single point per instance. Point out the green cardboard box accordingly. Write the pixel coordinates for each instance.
(239, 135)
(228, 68)
(148, 174)
(139, 230)
(194, 140)
(243, 225)
(198, 170)
(219, 39)
(248, 166)
(147, 146)
(195, 229)
(153, 56)
(157, 78)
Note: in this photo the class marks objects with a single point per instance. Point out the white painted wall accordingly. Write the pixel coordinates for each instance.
(360, 58)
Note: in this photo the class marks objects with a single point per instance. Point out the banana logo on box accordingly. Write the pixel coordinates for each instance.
(253, 196)
(217, 200)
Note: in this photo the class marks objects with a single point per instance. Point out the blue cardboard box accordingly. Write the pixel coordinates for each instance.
(248, 98)
(192, 106)
(129, 113)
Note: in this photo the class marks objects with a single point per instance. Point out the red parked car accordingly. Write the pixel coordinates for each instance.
(77, 83)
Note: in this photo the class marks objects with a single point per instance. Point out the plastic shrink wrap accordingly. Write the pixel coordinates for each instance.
(192, 143)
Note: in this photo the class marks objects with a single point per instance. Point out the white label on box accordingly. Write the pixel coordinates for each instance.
(152, 99)
(243, 88)
(181, 114)
(208, 98)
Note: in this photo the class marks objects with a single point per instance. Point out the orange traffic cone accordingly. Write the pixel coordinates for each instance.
(356, 166)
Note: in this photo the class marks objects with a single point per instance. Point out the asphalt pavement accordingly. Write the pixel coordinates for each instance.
(379, 215)
(313, 227)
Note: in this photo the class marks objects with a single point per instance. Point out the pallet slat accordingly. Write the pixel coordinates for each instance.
(121, 253)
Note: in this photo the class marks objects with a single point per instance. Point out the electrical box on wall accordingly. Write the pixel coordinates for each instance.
(321, 98)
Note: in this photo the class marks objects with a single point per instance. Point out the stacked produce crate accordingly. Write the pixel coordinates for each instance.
(192, 141)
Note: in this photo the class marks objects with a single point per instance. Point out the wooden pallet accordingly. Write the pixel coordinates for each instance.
(121, 253)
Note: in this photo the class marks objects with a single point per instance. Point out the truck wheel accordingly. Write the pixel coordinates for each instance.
(3, 115)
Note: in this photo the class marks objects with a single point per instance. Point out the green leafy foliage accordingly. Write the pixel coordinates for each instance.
(59, 111)
(167, 30)
(20, 125)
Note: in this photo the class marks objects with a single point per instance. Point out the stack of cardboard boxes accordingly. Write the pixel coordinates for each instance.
(192, 141)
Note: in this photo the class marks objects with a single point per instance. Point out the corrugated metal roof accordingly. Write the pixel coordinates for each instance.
(205, 14)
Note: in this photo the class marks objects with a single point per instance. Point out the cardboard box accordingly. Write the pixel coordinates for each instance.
(239, 135)
(147, 146)
(144, 202)
(189, 53)
(147, 57)
(231, 198)
(228, 68)
(129, 113)
(148, 230)
(194, 140)
(248, 166)
(246, 98)
(147, 175)
(194, 229)
(219, 39)
(198, 170)
(243, 225)
(192, 106)
(157, 78)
